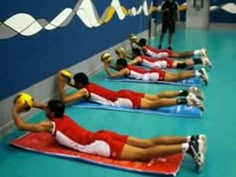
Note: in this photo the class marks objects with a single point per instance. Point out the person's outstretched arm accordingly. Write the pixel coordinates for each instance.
(117, 74)
(69, 98)
(24, 126)
(39, 105)
(113, 67)
(129, 56)
(135, 61)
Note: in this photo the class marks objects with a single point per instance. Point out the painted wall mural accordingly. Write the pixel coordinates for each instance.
(26, 25)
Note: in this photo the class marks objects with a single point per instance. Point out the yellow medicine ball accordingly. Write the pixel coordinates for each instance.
(25, 100)
(65, 74)
(133, 38)
(121, 52)
(106, 57)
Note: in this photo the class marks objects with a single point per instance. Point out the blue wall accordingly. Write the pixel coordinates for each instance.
(28, 60)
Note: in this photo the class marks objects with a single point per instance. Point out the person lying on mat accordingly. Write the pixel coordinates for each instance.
(106, 143)
(139, 59)
(159, 53)
(134, 72)
(127, 98)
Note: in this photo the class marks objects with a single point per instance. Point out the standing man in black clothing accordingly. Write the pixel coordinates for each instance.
(170, 14)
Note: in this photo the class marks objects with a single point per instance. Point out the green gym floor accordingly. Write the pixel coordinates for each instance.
(218, 122)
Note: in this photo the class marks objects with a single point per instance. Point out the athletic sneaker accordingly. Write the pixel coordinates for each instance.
(204, 75)
(204, 52)
(201, 137)
(193, 101)
(196, 150)
(206, 61)
(196, 91)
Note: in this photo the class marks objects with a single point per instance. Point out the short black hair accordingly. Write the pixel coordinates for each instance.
(57, 107)
(81, 78)
(142, 42)
(137, 51)
(122, 62)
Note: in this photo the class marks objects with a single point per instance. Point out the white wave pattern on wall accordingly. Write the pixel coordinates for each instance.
(229, 7)
(27, 25)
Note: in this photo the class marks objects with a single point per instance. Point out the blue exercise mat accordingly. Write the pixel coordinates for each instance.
(178, 110)
(188, 82)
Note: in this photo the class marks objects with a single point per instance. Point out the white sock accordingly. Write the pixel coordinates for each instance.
(185, 147)
(188, 139)
(197, 52)
(197, 73)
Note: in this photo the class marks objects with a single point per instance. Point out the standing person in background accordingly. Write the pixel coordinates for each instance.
(170, 14)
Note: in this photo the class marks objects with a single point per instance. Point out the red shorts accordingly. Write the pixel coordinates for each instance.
(168, 61)
(115, 141)
(162, 74)
(134, 97)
